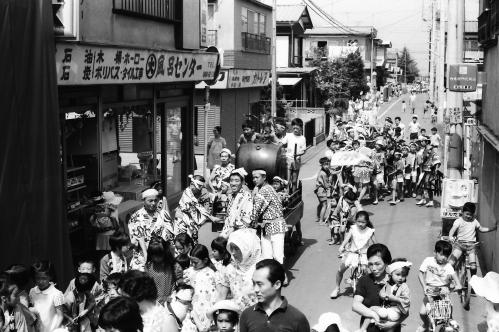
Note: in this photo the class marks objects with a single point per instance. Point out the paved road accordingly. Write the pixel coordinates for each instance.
(408, 230)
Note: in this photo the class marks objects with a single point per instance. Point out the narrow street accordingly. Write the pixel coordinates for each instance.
(408, 230)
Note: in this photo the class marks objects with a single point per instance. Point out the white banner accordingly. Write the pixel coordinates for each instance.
(242, 78)
(83, 65)
(456, 192)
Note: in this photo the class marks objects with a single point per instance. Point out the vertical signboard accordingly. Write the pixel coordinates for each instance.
(203, 25)
(463, 77)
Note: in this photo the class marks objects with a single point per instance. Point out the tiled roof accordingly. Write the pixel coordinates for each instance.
(289, 13)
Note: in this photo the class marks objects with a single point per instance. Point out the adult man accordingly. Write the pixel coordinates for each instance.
(272, 312)
(412, 101)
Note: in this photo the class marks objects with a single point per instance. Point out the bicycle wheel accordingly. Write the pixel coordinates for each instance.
(354, 279)
(461, 273)
(466, 293)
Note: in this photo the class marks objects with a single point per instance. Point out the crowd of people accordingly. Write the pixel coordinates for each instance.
(155, 274)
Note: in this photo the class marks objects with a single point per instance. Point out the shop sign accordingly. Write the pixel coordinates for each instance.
(203, 26)
(240, 78)
(463, 77)
(84, 65)
(456, 192)
(221, 82)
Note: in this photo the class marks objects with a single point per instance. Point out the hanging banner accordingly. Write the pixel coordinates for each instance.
(84, 65)
(242, 78)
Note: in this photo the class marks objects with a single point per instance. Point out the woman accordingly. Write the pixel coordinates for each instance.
(215, 146)
(367, 292)
(240, 208)
(147, 223)
(221, 172)
(267, 211)
(244, 247)
(191, 213)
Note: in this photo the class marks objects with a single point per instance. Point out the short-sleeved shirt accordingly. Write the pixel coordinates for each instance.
(436, 275)
(292, 140)
(286, 318)
(45, 303)
(466, 231)
(414, 127)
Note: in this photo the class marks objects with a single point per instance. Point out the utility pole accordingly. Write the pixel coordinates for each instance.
(273, 92)
(442, 104)
(405, 66)
(372, 58)
(455, 45)
(433, 49)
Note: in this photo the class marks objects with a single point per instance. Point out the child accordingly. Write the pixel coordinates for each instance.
(220, 254)
(183, 244)
(358, 239)
(86, 266)
(225, 315)
(296, 146)
(342, 215)
(80, 304)
(434, 113)
(201, 277)
(161, 266)
(435, 138)
(422, 133)
(184, 261)
(436, 276)
(331, 144)
(248, 135)
(379, 161)
(464, 229)
(116, 261)
(410, 173)
(281, 187)
(17, 316)
(47, 300)
(322, 189)
(111, 286)
(398, 179)
(414, 128)
(404, 106)
(395, 294)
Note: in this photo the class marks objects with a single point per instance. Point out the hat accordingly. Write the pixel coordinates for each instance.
(111, 198)
(281, 180)
(415, 116)
(240, 171)
(223, 305)
(487, 287)
(339, 123)
(327, 319)
(397, 152)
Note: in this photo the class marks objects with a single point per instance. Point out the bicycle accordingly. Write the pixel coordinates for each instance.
(463, 270)
(355, 271)
(439, 309)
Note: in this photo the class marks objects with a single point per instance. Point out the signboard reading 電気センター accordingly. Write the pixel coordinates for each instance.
(82, 65)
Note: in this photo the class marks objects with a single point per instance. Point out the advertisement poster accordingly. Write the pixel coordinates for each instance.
(456, 192)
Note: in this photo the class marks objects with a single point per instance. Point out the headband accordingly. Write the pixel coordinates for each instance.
(226, 151)
(281, 180)
(150, 193)
(198, 184)
(259, 172)
(397, 266)
(240, 171)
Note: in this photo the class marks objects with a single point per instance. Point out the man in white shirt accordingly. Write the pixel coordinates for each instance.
(400, 125)
(412, 102)
(414, 128)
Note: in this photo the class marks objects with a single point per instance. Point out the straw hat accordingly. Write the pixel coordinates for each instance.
(487, 287)
(223, 305)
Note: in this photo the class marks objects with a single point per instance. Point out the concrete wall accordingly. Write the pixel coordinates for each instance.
(98, 24)
(490, 115)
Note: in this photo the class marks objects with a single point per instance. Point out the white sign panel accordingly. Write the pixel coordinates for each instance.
(240, 78)
(83, 65)
(456, 192)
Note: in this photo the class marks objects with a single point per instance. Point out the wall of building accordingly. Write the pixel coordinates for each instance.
(237, 19)
(234, 106)
(490, 116)
(98, 24)
(310, 42)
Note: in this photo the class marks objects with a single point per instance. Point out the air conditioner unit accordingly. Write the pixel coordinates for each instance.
(66, 19)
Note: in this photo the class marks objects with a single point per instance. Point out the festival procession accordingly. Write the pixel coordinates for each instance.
(249, 166)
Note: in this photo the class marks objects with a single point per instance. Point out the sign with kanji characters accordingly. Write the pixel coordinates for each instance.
(83, 65)
(241, 78)
(456, 192)
(463, 77)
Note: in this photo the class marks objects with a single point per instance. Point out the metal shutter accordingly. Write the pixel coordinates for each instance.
(213, 120)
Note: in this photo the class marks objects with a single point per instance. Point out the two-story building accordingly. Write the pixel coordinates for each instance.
(241, 30)
(126, 74)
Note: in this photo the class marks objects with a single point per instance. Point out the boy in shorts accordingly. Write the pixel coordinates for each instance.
(463, 232)
(436, 276)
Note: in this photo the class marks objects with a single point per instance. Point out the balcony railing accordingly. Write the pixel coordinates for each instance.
(255, 43)
(212, 37)
(162, 10)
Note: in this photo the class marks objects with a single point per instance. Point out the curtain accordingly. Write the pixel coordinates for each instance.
(32, 221)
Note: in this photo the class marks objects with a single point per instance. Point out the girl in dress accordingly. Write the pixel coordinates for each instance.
(358, 239)
(221, 257)
(201, 277)
(161, 266)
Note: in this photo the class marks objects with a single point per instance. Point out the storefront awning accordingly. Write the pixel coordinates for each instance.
(289, 81)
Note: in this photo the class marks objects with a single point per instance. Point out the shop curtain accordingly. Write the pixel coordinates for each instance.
(32, 223)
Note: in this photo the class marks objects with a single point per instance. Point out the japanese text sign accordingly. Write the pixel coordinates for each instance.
(82, 65)
(456, 192)
(248, 78)
(463, 77)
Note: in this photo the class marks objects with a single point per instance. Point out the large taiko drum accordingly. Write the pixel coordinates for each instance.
(269, 157)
